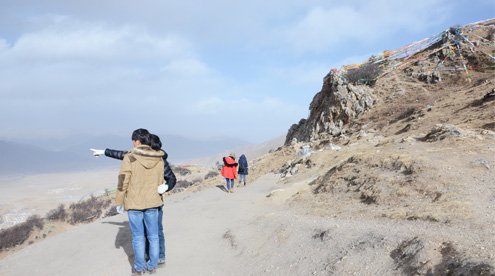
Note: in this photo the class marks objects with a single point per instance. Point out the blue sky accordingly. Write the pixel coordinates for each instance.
(244, 69)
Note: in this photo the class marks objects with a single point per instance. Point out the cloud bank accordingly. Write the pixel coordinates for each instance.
(197, 69)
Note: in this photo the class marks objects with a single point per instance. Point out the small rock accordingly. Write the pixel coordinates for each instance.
(305, 151)
(490, 96)
(274, 192)
(442, 131)
(334, 147)
(408, 139)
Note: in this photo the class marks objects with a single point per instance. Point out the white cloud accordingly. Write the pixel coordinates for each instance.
(217, 105)
(251, 118)
(3, 45)
(187, 67)
(68, 40)
(211, 105)
(180, 64)
(75, 75)
(322, 27)
(353, 60)
(361, 22)
(71, 57)
(302, 74)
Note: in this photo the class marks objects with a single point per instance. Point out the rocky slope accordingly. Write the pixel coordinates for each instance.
(411, 147)
(402, 80)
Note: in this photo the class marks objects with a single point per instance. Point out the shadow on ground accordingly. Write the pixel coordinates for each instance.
(124, 239)
(222, 187)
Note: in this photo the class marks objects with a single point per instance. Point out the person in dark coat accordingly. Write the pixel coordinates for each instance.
(243, 169)
(168, 176)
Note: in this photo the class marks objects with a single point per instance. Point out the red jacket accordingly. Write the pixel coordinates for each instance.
(229, 169)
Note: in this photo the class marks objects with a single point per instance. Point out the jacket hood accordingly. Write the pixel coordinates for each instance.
(229, 160)
(146, 156)
(243, 161)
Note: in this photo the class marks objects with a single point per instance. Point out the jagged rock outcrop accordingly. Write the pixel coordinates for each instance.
(347, 93)
(332, 109)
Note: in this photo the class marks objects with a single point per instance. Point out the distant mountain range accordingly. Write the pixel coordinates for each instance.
(73, 154)
(19, 158)
(252, 152)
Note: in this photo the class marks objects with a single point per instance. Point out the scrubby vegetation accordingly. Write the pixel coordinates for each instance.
(211, 174)
(366, 74)
(87, 210)
(183, 184)
(57, 214)
(19, 233)
(111, 212)
(181, 170)
(81, 212)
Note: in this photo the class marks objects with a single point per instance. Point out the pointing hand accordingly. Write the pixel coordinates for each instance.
(97, 152)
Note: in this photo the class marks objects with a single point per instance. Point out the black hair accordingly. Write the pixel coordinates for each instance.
(155, 142)
(142, 135)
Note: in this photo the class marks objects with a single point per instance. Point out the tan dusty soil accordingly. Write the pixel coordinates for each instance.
(448, 198)
(279, 227)
(430, 198)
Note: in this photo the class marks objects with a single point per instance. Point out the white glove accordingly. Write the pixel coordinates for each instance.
(120, 209)
(97, 152)
(162, 188)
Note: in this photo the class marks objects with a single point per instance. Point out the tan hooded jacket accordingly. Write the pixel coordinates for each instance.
(140, 174)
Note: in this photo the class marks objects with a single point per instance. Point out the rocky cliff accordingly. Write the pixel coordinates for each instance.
(332, 109)
(349, 92)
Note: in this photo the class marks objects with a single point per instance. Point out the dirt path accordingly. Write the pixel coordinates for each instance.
(198, 242)
(211, 232)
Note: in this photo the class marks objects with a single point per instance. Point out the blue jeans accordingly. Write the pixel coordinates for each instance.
(242, 178)
(138, 220)
(161, 236)
(230, 183)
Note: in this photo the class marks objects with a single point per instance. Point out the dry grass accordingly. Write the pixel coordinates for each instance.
(81, 212)
(88, 210)
(385, 185)
(18, 234)
(111, 212)
(181, 170)
(57, 214)
(366, 74)
(211, 174)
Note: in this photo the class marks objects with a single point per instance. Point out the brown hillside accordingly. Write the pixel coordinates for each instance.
(405, 141)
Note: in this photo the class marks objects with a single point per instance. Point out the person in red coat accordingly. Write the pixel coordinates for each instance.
(229, 171)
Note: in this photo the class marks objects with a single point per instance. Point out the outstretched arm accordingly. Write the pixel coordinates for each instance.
(117, 154)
